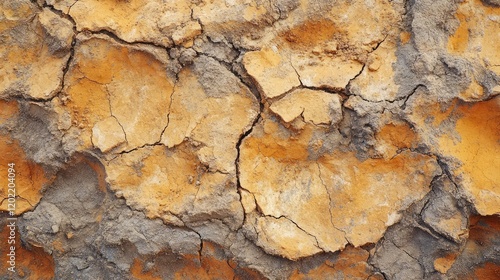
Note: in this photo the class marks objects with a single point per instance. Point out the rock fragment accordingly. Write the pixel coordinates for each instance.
(272, 70)
(316, 107)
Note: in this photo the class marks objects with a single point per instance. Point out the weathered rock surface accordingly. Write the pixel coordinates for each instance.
(103, 81)
(453, 130)
(250, 139)
(473, 40)
(33, 262)
(34, 50)
(303, 183)
(134, 21)
(376, 81)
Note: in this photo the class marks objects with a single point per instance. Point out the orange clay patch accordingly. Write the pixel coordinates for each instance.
(30, 264)
(350, 264)
(490, 271)
(211, 266)
(283, 149)
(214, 265)
(106, 77)
(478, 150)
(8, 109)
(404, 37)
(218, 269)
(310, 33)
(138, 272)
(29, 177)
(444, 264)
(483, 228)
(477, 34)
(459, 41)
(397, 136)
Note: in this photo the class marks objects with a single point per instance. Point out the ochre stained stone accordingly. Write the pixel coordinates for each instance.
(187, 33)
(173, 185)
(213, 113)
(238, 21)
(360, 198)
(8, 110)
(317, 71)
(280, 236)
(488, 271)
(29, 179)
(315, 106)
(212, 266)
(453, 131)
(133, 21)
(395, 136)
(199, 119)
(138, 272)
(484, 233)
(478, 155)
(376, 82)
(272, 70)
(110, 80)
(32, 263)
(301, 137)
(212, 263)
(34, 50)
(475, 39)
(443, 264)
(351, 263)
(330, 50)
(107, 134)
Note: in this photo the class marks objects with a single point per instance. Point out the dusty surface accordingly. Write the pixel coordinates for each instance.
(251, 139)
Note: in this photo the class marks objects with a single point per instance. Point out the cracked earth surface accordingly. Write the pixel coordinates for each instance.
(252, 139)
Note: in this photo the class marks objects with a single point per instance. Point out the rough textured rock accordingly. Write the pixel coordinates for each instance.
(250, 139)
(35, 49)
(330, 182)
(83, 227)
(174, 185)
(134, 21)
(33, 261)
(103, 81)
(473, 40)
(376, 81)
(31, 176)
(453, 130)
